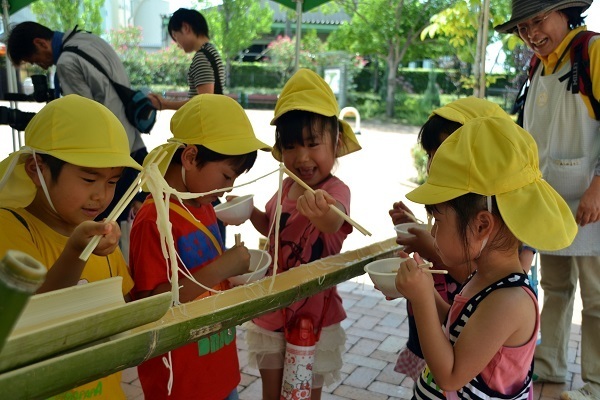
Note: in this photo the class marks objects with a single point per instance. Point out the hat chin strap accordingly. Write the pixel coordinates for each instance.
(183, 178)
(43, 183)
(483, 244)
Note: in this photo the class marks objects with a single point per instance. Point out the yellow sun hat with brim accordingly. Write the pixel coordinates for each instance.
(73, 129)
(468, 108)
(307, 91)
(214, 121)
(493, 156)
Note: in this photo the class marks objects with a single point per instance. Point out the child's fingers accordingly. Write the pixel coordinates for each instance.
(418, 258)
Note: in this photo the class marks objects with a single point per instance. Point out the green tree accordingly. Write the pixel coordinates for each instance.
(235, 24)
(63, 15)
(462, 26)
(387, 28)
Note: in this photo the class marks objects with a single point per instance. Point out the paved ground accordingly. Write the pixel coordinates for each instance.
(378, 175)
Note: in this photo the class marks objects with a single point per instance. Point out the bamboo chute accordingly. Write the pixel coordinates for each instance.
(187, 323)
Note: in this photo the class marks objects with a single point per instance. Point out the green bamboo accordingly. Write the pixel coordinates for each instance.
(186, 324)
(20, 276)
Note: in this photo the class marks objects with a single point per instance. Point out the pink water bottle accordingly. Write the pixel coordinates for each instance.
(299, 359)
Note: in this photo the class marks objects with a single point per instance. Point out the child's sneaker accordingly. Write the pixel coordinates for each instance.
(579, 394)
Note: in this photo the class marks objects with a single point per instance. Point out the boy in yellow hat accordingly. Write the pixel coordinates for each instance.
(213, 143)
(53, 188)
(487, 195)
(308, 140)
(565, 124)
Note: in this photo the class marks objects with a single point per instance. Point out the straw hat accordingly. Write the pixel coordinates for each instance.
(493, 156)
(73, 129)
(214, 121)
(522, 10)
(307, 91)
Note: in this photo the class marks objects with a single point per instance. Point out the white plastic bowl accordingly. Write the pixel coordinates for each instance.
(383, 275)
(236, 211)
(260, 261)
(402, 229)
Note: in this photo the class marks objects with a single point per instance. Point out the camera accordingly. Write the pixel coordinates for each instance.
(17, 119)
(14, 118)
(41, 91)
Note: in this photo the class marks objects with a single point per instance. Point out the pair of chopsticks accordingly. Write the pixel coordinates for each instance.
(331, 206)
(425, 267)
(122, 204)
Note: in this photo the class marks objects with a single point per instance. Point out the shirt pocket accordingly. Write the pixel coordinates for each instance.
(569, 177)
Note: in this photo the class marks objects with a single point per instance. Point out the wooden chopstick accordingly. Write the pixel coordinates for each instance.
(334, 208)
(238, 239)
(425, 267)
(121, 205)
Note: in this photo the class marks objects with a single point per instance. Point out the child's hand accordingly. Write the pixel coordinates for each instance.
(422, 242)
(412, 281)
(401, 214)
(314, 205)
(236, 260)
(84, 232)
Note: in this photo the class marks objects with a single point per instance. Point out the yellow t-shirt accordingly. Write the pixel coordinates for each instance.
(46, 245)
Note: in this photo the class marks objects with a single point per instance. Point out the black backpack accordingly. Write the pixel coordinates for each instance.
(138, 108)
(579, 75)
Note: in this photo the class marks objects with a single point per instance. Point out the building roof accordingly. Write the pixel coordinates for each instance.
(311, 17)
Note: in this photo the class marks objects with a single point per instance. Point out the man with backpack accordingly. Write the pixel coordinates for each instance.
(31, 42)
(560, 109)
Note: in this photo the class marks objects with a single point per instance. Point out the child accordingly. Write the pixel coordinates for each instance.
(309, 137)
(441, 124)
(213, 144)
(487, 195)
(52, 189)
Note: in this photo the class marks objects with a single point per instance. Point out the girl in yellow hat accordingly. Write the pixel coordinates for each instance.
(487, 195)
(309, 138)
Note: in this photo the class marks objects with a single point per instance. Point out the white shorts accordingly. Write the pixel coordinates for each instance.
(266, 350)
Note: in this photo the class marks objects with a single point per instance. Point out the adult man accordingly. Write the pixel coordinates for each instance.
(567, 133)
(30, 42)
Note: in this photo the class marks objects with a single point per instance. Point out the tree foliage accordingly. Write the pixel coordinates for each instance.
(389, 28)
(235, 24)
(63, 15)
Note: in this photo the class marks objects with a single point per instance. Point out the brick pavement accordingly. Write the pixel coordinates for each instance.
(376, 329)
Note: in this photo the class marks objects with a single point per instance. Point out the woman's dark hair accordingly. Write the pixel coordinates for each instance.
(20, 40)
(430, 135)
(466, 208)
(240, 163)
(54, 164)
(289, 128)
(573, 16)
(191, 17)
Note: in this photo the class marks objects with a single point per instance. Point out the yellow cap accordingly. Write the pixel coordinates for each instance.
(493, 156)
(214, 121)
(468, 108)
(307, 91)
(73, 129)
